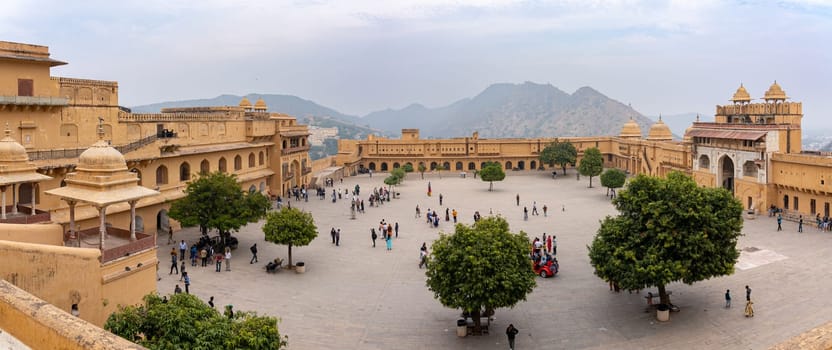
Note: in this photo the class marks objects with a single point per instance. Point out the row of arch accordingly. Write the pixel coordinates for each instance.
(204, 168)
(458, 166)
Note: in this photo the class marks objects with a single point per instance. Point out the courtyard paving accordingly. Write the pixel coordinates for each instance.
(358, 297)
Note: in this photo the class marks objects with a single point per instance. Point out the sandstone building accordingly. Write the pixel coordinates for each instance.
(85, 184)
(751, 149)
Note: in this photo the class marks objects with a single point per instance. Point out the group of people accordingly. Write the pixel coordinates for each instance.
(387, 231)
(749, 305)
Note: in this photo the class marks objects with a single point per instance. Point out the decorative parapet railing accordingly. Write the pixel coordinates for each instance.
(89, 82)
(288, 175)
(75, 152)
(179, 117)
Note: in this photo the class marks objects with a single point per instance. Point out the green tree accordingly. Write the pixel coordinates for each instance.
(480, 267)
(422, 169)
(439, 169)
(399, 173)
(492, 172)
(185, 322)
(612, 179)
(408, 168)
(216, 201)
(592, 164)
(290, 226)
(561, 153)
(667, 230)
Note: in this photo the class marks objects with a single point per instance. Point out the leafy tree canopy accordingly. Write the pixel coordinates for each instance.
(216, 201)
(480, 267)
(408, 168)
(592, 164)
(669, 229)
(492, 172)
(399, 173)
(185, 322)
(561, 153)
(613, 178)
(422, 169)
(290, 226)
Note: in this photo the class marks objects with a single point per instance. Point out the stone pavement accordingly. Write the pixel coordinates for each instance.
(359, 297)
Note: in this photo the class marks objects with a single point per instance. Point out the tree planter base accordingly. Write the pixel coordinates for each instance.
(300, 267)
(662, 313)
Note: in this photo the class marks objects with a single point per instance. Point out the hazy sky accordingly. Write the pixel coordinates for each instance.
(359, 56)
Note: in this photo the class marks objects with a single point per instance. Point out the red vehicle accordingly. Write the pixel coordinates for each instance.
(547, 269)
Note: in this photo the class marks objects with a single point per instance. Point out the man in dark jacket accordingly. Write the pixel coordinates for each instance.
(511, 332)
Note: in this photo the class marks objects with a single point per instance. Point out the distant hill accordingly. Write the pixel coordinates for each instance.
(515, 110)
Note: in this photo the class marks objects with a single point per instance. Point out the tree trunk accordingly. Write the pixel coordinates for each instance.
(475, 315)
(290, 256)
(663, 297)
(564, 169)
(490, 186)
(423, 174)
(590, 182)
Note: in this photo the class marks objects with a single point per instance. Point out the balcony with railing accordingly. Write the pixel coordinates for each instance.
(307, 170)
(296, 149)
(116, 245)
(24, 215)
(288, 175)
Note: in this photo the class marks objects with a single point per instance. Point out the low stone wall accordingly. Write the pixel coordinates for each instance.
(41, 325)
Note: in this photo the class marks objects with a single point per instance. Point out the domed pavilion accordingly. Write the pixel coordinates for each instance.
(630, 130)
(16, 169)
(101, 178)
(659, 131)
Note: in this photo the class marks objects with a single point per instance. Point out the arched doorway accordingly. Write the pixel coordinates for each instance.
(372, 166)
(432, 166)
(786, 202)
(726, 172)
(508, 165)
(472, 166)
(296, 180)
(521, 165)
(24, 193)
(446, 166)
(383, 166)
(396, 165)
(458, 166)
(533, 165)
(204, 167)
(162, 221)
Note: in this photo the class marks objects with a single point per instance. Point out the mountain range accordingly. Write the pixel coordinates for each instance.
(500, 111)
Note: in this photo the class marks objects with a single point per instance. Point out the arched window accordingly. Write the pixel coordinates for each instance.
(251, 163)
(252, 189)
(396, 165)
(749, 169)
(238, 162)
(161, 175)
(372, 166)
(432, 165)
(508, 165)
(458, 165)
(446, 166)
(223, 167)
(704, 162)
(262, 158)
(482, 165)
(204, 167)
(184, 172)
(472, 166)
(383, 166)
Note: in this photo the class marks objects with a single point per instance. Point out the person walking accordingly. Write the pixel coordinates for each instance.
(338, 238)
(800, 225)
(727, 298)
(526, 213)
(447, 214)
(203, 255)
(170, 235)
(396, 228)
(193, 254)
(173, 266)
(182, 247)
(423, 258)
(253, 254)
(332, 233)
(374, 236)
(534, 208)
(187, 283)
(418, 212)
(389, 242)
(544, 210)
(227, 258)
(518, 199)
(454, 213)
(749, 308)
(211, 302)
(177, 290)
(218, 259)
(511, 333)
(747, 293)
(554, 245)
(441, 197)
(779, 222)
(181, 269)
